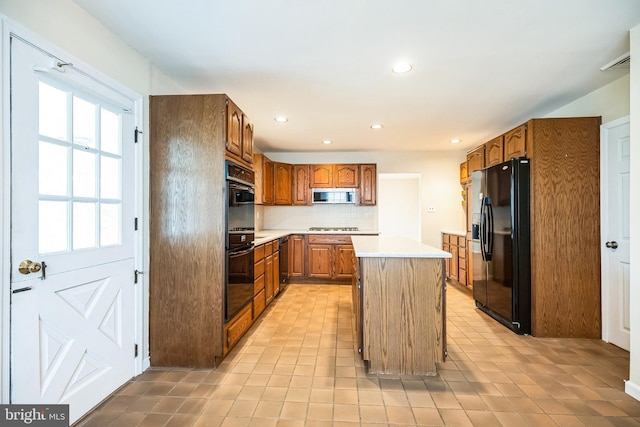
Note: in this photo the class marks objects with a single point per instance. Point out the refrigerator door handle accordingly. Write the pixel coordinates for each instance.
(483, 229)
(489, 251)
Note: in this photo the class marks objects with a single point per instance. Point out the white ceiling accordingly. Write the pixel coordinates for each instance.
(480, 67)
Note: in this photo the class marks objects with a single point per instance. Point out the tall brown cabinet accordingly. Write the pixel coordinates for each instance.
(190, 138)
(565, 219)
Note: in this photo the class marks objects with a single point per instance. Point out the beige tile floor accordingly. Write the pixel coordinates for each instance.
(298, 366)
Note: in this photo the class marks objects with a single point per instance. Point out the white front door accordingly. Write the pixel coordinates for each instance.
(72, 247)
(615, 232)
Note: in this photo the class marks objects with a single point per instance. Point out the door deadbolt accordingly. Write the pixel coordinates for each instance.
(27, 266)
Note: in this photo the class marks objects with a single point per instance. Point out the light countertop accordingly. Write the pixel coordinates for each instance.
(265, 236)
(455, 232)
(394, 247)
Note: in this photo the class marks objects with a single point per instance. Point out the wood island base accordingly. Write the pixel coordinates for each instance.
(400, 313)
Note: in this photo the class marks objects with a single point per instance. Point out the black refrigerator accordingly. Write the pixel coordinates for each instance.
(500, 243)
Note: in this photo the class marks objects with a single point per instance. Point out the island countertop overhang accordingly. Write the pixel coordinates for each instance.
(394, 247)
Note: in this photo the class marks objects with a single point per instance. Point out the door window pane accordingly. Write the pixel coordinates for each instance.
(84, 122)
(110, 224)
(52, 169)
(84, 225)
(109, 132)
(109, 178)
(84, 173)
(53, 226)
(52, 112)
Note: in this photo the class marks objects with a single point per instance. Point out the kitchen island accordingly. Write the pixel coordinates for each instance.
(399, 303)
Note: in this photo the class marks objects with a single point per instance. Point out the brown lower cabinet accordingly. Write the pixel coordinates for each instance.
(329, 256)
(458, 265)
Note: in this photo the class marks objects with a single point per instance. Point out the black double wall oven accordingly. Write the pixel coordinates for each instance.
(239, 239)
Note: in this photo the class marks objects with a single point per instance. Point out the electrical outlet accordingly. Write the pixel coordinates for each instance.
(431, 209)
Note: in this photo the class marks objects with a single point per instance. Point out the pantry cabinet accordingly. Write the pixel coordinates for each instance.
(190, 138)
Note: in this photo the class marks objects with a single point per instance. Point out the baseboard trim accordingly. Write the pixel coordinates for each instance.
(632, 389)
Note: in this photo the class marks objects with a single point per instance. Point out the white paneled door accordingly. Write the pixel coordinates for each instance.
(615, 233)
(72, 247)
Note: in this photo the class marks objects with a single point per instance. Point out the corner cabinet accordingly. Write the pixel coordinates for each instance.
(263, 169)
(191, 136)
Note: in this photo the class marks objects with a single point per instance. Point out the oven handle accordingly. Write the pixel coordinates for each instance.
(242, 251)
(236, 186)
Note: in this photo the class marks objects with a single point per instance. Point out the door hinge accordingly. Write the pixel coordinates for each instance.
(135, 350)
(135, 224)
(136, 133)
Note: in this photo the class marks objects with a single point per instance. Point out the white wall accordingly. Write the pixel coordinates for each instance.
(440, 181)
(610, 101)
(632, 386)
(65, 26)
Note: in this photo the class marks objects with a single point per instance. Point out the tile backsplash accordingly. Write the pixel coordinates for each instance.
(303, 217)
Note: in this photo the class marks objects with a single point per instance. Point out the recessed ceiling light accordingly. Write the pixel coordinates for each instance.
(376, 126)
(402, 67)
(455, 140)
(281, 119)
(326, 142)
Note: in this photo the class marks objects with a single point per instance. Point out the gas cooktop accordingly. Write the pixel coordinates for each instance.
(333, 229)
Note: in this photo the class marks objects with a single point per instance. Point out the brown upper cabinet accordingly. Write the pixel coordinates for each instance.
(334, 176)
(345, 176)
(301, 188)
(263, 169)
(475, 160)
(282, 183)
(247, 140)
(464, 174)
(239, 137)
(493, 151)
(515, 143)
(367, 188)
(321, 176)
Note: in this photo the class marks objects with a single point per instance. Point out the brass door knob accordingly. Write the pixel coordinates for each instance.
(27, 266)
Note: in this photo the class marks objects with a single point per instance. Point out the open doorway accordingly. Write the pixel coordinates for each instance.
(399, 205)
